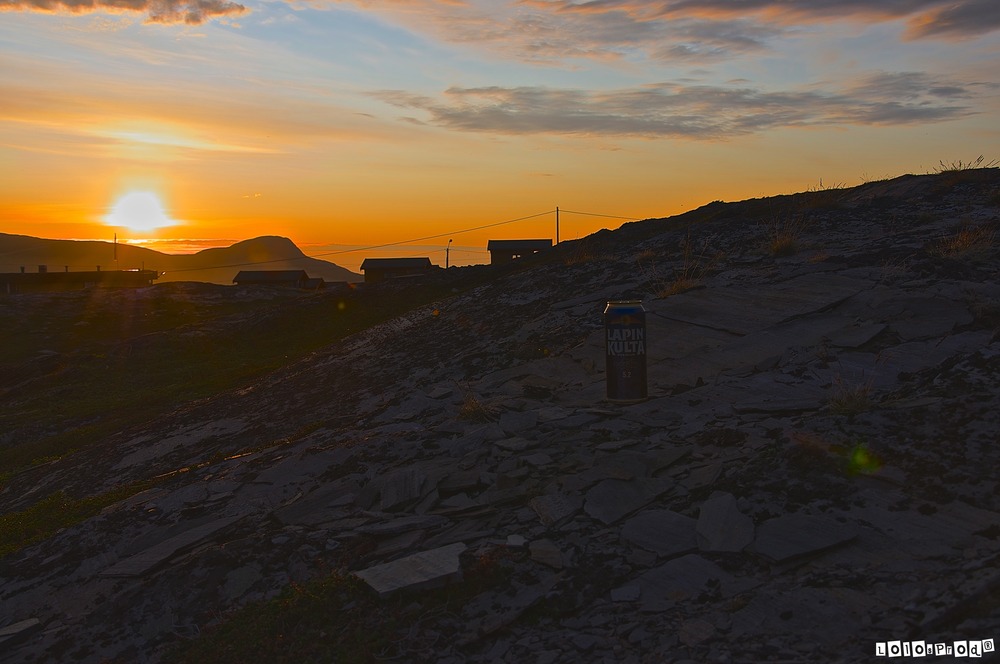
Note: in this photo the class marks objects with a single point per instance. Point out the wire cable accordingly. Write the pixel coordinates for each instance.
(400, 242)
(594, 214)
(369, 248)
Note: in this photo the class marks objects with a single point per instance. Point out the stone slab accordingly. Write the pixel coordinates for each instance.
(794, 535)
(404, 524)
(744, 310)
(611, 500)
(322, 504)
(401, 487)
(924, 317)
(758, 350)
(514, 422)
(12, 634)
(663, 531)
(855, 335)
(685, 578)
(547, 553)
(825, 616)
(145, 451)
(721, 525)
(552, 508)
(144, 562)
(427, 569)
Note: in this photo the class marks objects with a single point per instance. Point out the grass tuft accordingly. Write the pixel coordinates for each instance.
(475, 409)
(851, 398)
(698, 260)
(959, 165)
(784, 236)
(856, 396)
(969, 243)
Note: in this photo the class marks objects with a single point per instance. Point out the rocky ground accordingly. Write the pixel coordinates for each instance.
(814, 470)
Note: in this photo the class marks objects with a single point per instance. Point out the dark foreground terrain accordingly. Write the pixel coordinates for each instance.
(196, 473)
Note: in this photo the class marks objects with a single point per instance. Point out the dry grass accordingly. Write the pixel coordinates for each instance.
(475, 409)
(697, 261)
(959, 165)
(582, 253)
(894, 269)
(784, 236)
(969, 243)
(851, 399)
(958, 172)
(857, 395)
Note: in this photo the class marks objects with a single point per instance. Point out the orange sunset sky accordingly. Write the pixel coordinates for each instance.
(345, 123)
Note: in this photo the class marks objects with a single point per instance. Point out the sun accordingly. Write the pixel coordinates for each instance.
(139, 211)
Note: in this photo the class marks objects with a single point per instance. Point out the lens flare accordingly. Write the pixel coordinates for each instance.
(139, 211)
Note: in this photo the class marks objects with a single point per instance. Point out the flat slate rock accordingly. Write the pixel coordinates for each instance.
(404, 524)
(547, 552)
(663, 531)
(721, 525)
(611, 500)
(401, 487)
(685, 578)
(823, 616)
(514, 422)
(552, 508)
(11, 634)
(144, 562)
(426, 569)
(743, 310)
(786, 537)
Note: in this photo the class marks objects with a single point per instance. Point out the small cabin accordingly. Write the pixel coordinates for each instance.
(380, 269)
(283, 278)
(46, 281)
(505, 251)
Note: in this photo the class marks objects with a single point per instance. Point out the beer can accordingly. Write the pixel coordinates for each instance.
(625, 335)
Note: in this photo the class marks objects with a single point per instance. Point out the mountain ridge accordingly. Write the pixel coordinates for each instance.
(213, 265)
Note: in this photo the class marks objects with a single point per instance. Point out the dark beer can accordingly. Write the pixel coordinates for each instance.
(625, 337)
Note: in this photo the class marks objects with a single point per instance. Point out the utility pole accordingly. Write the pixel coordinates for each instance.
(447, 252)
(116, 251)
(557, 224)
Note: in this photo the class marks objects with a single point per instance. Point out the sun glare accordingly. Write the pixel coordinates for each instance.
(139, 211)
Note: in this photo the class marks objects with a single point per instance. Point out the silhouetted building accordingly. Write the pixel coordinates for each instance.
(504, 251)
(380, 269)
(314, 283)
(45, 281)
(283, 278)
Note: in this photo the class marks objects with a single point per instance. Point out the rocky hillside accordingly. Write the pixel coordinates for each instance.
(814, 471)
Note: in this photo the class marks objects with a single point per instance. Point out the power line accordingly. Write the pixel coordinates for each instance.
(400, 242)
(594, 214)
(369, 248)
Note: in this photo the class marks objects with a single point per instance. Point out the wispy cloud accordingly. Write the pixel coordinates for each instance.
(689, 111)
(957, 20)
(555, 31)
(191, 12)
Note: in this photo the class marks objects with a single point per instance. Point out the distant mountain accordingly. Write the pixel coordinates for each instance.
(218, 265)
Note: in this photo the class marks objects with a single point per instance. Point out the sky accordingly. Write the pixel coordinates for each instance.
(346, 124)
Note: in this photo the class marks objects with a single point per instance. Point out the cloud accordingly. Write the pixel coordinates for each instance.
(557, 31)
(958, 20)
(191, 12)
(548, 33)
(672, 110)
(955, 19)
